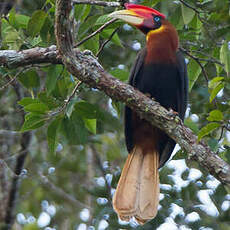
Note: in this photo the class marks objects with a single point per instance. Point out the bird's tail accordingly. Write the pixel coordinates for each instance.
(137, 193)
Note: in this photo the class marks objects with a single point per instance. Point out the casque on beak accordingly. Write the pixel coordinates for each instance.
(136, 15)
(128, 16)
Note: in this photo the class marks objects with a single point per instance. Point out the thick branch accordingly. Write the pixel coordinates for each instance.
(13, 58)
(87, 69)
(98, 3)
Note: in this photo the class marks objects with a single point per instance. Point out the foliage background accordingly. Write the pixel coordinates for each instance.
(76, 149)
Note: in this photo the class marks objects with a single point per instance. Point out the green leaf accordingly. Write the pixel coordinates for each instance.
(102, 19)
(18, 20)
(213, 143)
(194, 71)
(225, 57)
(215, 81)
(181, 154)
(86, 26)
(33, 121)
(91, 125)
(37, 108)
(85, 12)
(36, 22)
(74, 129)
(207, 129)
(34, 41)
(215, 115)
(47, 31)
(30, 79)
(187, 14)
(115, 39)
(48, 100)
(196, 24)
(31, 226)
(120, 74)
(117, 106)
(176, 19)
(192, 125)
(150, 3)
(215, 91)
(92, 44)
(52, 76)
(86, 110)
(12, 39)
(81, 11)
(52, 132)
(28, 100)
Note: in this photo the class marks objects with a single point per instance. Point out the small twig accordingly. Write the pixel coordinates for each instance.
(14, 78)
(21, 71)
(72, 94)
(202, 69)
(63, 107)
(198, 62)
(209, 58)
(222, 132)
(189, 6)
(24, 144)
(226, 127)
(4, 164)
(196, 11)
(98, 161)
(98, 3)
(45, 181)
(95, 32)
(105, 42)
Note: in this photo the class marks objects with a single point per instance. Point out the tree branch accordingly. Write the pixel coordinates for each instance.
(87, 69)
(105, 42)
(20, 160)
(38, 55)
(98, 3)
(45, 181)
(96, 32)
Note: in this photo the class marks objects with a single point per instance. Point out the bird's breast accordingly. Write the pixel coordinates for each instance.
(162, 82)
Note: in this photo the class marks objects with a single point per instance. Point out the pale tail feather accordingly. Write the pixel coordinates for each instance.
(137, 193)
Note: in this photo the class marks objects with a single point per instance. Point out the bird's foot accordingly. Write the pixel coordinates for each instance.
(173, 113)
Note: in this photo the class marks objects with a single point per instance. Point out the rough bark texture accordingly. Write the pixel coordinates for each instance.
(99, 3)
(38, 55)
(87, 69)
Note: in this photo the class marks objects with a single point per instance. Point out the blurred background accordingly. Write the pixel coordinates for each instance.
(71, 154)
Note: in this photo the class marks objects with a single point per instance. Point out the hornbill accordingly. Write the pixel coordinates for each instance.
(159, 72)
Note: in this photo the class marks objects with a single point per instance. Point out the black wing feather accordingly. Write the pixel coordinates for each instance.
(135, 71)
(155, 77)
(182, 100)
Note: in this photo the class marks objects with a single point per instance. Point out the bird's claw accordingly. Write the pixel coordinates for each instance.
(173, 113)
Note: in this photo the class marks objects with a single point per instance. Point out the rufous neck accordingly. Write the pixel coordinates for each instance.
(162, 45)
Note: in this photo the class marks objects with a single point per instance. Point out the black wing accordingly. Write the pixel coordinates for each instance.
(166, 144)
(135, 71)
(183, 97)
(182, 100)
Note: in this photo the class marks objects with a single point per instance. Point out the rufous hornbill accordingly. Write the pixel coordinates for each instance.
(160, 72)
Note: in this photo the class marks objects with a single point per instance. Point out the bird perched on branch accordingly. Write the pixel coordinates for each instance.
(159, 71)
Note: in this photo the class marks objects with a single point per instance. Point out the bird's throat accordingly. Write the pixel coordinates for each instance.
(162, 45)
